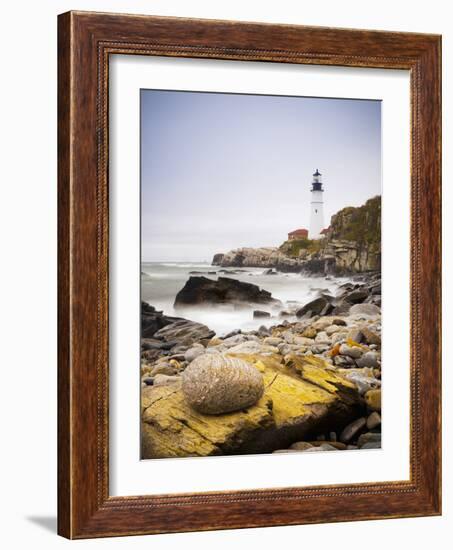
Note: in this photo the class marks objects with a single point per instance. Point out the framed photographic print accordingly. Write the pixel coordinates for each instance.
(249, 275)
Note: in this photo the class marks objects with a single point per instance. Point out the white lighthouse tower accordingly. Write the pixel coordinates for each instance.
(317, 207)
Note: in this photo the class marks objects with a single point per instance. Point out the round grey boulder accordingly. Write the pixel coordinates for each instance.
(216, 384)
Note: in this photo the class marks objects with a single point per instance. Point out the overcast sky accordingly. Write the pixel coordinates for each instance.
(222, 171)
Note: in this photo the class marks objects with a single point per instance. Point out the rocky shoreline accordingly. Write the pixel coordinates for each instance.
(352, 244)
(314, 383)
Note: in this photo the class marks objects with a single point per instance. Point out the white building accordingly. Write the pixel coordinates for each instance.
(317, 208)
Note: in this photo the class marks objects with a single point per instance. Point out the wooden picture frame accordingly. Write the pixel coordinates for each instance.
(85, 42)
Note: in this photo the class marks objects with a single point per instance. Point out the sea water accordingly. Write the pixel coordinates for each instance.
(161, 281)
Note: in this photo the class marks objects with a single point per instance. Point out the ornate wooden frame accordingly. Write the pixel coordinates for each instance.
(85, 41)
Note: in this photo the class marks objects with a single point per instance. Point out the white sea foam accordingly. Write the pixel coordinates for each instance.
(166, 279)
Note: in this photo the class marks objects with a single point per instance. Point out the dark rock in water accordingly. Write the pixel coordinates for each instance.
(185, 332)
(217, 259)
(202, 272)
(319, 306)
(270, 271)
(285, 314)
(153, 320)
(233, 271)
(259, 313)
(204, 291)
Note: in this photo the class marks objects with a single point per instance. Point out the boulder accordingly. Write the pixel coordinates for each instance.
(204, 291)
(152, 320)
(217, 384)
(356, 296)
(217, 259)
(184, 332)
(319, 306)
(301, 399)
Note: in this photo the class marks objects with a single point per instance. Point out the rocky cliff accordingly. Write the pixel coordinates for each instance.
(352, 245)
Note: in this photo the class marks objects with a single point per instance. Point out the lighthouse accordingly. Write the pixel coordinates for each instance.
(317, 207)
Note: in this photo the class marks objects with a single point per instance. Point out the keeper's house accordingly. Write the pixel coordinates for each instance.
(298, 234)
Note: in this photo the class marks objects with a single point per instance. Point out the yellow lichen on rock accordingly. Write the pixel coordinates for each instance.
(299, 397)
(171, 428)
(295, 387)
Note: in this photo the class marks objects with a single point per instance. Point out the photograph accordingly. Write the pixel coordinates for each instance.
(260, 274)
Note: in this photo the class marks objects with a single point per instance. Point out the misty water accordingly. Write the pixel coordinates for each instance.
(160, 282)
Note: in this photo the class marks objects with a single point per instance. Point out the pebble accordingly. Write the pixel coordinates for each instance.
(338, 337)
(163, 368)
(288, 336)
(193, 353)
(371, 445)
(309, 332)
(352, 429)
(322, 338)
(373, 399)
(351, 351)
(373, 421)
(339, 322)
(302, 341)
(355, 335)
(332, 329)
(301, 446)
(363, 383)
(368, 359)
(370, 336)
(272, 341)
(323, 447)
(343, 361)
(365, 309)
(369, 437)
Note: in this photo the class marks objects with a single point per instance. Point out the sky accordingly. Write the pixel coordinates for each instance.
(223, 171)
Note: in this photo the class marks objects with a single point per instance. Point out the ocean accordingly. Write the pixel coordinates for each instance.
(161, 281)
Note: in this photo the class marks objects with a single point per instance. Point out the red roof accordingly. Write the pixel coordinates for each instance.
(302, 232)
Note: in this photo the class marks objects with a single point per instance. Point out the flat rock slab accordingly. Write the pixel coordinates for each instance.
(301, 397)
